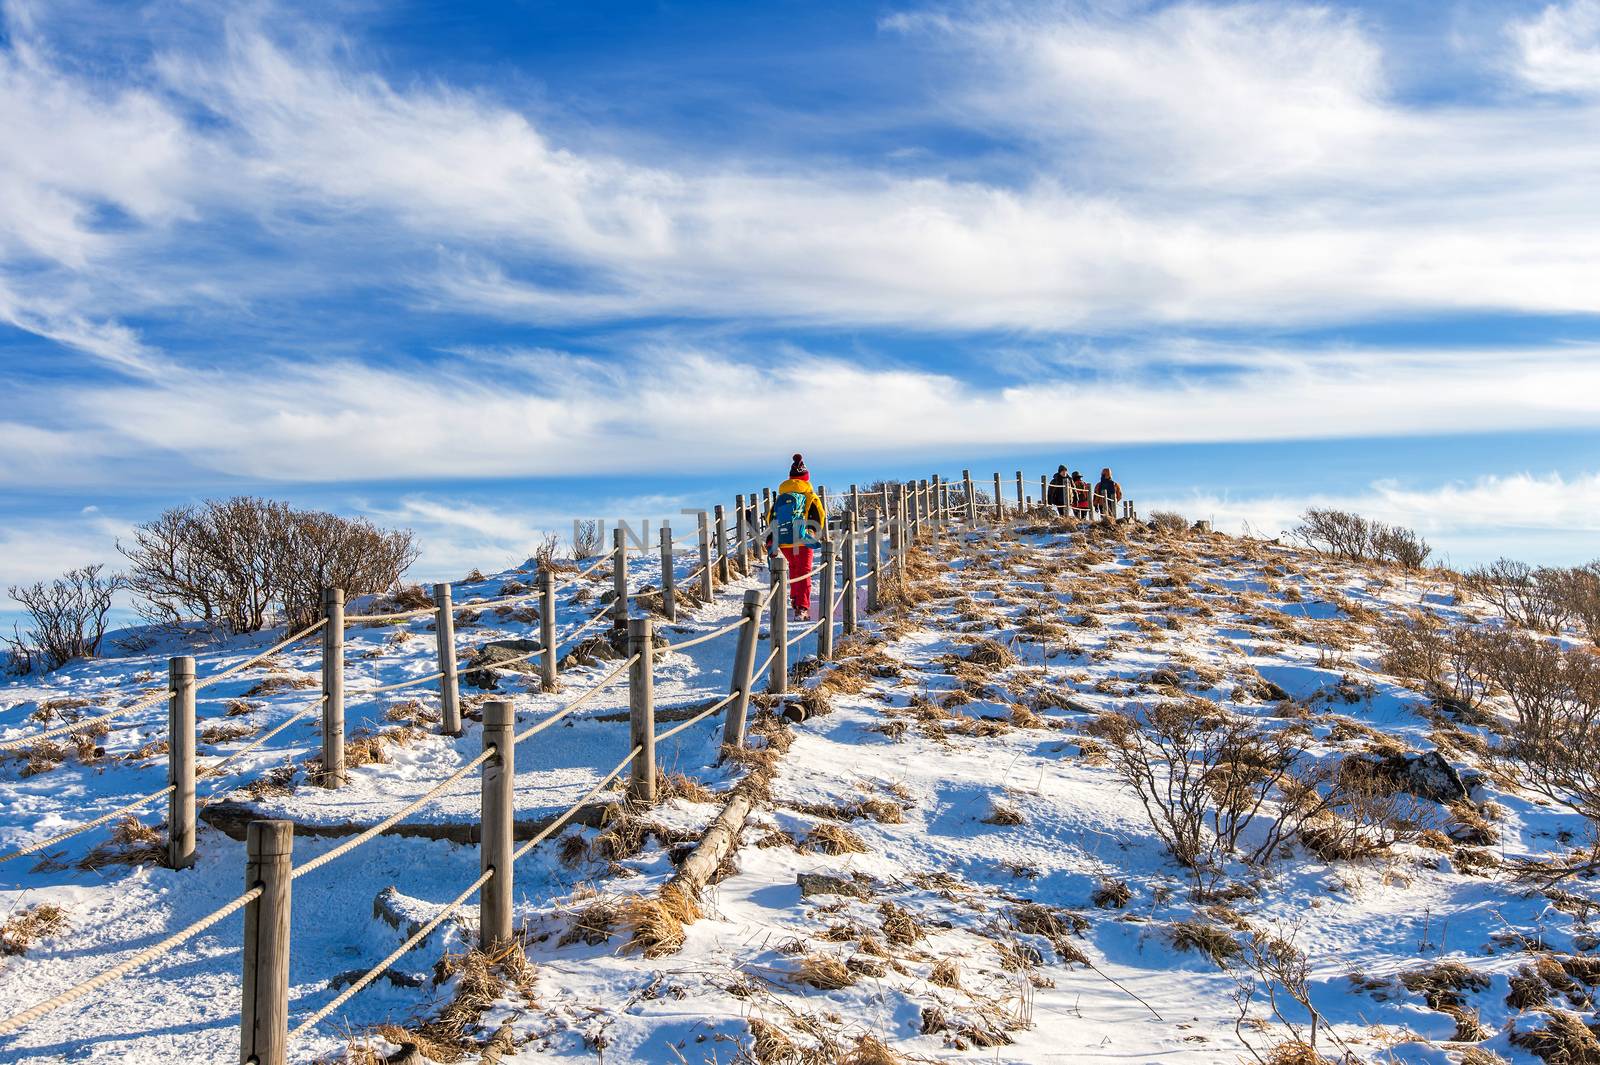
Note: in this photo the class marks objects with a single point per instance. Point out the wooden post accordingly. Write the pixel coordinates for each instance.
(619, 580)
(756, 519)
(778, 625)
(855, 501)
(896, 540)
(547, 630)
(1022, 497)
(744, 664)
(972, 499)
(498, 814)
(825, 609)
(264, 1009)
(180, 761)
(669, 578)
(705, 557)
(874, 553)
(999, 500)
(1044, 494)
(444, 639)
(741, 536)
(914, 506)
(724, 564)
(822, 500)
(849, 575)
(333, 773)
(938, 508)
(642, 710)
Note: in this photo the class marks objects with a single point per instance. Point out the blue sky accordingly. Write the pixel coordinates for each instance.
(476, 268)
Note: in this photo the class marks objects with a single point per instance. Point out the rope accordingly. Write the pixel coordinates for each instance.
(96, 823)
(72, 994)
(599, 561)
(803, 633)
(89, 722)
(762, 668)
(356, 841)
(154, 697)
(696, 719)
(559, 823)
(402, 684)
(594, 690)
(373, 973)
(216, 767)
(404, 615)
(713, 634)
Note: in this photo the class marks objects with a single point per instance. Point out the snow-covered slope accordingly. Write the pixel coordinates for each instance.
(979, 883)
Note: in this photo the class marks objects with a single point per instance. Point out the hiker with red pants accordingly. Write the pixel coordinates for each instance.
(796, 523)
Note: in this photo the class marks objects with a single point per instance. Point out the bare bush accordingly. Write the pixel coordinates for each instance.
(1554, 745)
(586, 537)
(233, 562)
(1169, 521)
(1579, 590)
(1350, 536)
(1202, 777)
(1533, 597)
(67, 615)
(1451, 663)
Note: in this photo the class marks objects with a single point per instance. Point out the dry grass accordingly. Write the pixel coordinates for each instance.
(1003, 813)
(26, 927)
(834, 839)
(481, 979)
(1564, 1040)
(823, 972)
(900, 928)
(226, 732)
(657, 924)
(678, 786)
(131, 842)
(593, 924)
(282, 682)
(1114, 894)
(946, 974)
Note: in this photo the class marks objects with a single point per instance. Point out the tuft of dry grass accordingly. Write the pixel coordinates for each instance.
(657, 924)
(946, 974)
(1564, 1040)
(899, 926)
(834, 839)
(593, 924)
(823, 972)
(130, 842)
(1003, 813)
(1114, 894)
(226, 732)
(27, 926)
(678, 786)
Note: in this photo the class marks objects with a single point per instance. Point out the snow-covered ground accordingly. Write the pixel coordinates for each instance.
(999, 895)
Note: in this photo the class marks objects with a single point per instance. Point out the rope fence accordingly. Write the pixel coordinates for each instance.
(912, 512)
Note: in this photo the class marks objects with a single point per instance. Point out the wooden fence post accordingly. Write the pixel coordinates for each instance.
(972, 499)
(1044, 494)
(180, 761)
(855, 500)
(724, 564)
(642, 710)
(705, 557)
(825, 611)
(896, 539)
(938, 507)
(497, 815)
(874, 553)
(741, 560)
(547, 630)
(619, 579)
(849, 625)
(999, 500)
(744, 665)
(444, 638)
(1022, 496)
(822, 500)
(778, 625)
(669, 577)
(264, 1009)
(333, 772)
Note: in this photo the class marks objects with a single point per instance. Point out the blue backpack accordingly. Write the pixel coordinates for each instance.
(789, 521)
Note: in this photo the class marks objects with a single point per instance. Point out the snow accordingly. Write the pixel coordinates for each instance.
(1133, 995)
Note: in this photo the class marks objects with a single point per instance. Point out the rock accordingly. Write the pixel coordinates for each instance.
(824, 884)
(1165, 677)
(500, 654)
(867, 965)
(1426, 775)
(398, 979)
(1201, 527)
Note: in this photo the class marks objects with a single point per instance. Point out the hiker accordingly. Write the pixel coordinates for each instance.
(1080, 496)
(796, 523)
(1107, 494)
(1056, 494)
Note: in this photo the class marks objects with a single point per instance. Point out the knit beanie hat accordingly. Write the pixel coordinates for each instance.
(798, 470)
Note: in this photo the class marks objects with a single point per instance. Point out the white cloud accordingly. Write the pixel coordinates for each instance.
(1547, 519)
(1559, 49)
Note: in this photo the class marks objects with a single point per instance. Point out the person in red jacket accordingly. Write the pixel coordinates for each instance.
(797, 523)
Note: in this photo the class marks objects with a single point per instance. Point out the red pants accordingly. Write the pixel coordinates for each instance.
(799, 559)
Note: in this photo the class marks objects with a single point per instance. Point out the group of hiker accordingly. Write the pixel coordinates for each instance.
(1069, 493)
(796, 517)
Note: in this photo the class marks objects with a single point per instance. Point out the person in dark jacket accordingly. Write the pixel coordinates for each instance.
(1057, 491)
(1080, 496)
(1107, 494)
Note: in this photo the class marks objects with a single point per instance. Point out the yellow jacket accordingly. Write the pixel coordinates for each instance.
(813, 508)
